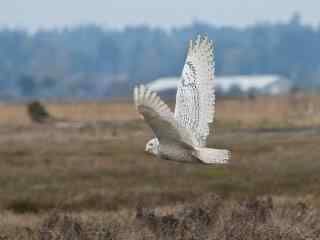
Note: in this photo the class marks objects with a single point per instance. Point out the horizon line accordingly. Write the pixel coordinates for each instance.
(108, 27)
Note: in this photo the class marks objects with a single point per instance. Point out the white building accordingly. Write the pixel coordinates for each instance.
(262, 84)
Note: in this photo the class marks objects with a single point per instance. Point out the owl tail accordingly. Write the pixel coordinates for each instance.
(212, 156)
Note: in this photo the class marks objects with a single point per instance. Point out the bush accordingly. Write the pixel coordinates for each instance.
(38, 112)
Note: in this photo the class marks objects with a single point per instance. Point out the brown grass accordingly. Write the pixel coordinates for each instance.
(209, 217)
(98, 173)
(232, 112)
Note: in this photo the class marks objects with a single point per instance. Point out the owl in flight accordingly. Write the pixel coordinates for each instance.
(181, 136)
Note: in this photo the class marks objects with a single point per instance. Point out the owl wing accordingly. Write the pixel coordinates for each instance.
(195, 98)
(159, 116)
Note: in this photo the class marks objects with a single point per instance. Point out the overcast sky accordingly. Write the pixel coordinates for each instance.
(35, 14)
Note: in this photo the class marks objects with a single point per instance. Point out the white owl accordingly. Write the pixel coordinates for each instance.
(182, 136)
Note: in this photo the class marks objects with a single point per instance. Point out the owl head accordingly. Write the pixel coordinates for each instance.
(152, 146)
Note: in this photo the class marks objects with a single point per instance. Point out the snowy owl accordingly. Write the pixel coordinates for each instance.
(181, 136)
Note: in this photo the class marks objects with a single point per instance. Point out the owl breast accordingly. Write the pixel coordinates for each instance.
(176, 152)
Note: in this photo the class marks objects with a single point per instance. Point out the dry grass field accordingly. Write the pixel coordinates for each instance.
(93, 180)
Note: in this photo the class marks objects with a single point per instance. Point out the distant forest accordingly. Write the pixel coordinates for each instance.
(95, 62)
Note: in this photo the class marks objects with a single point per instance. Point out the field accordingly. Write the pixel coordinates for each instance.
(85, 174)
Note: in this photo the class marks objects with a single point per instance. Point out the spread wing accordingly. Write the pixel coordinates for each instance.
(195, 95)
(159, 116)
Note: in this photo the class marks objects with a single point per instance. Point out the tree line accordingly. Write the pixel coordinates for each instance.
(94, 62)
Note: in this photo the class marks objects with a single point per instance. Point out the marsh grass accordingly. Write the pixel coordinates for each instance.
(95, 177)
(208, 217)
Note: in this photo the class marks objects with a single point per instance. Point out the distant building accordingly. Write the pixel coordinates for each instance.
(244, 84)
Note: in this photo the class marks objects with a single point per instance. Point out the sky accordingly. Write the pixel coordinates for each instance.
(35, 14)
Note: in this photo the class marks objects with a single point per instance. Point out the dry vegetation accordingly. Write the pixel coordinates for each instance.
(210, 217)
(95, 182)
